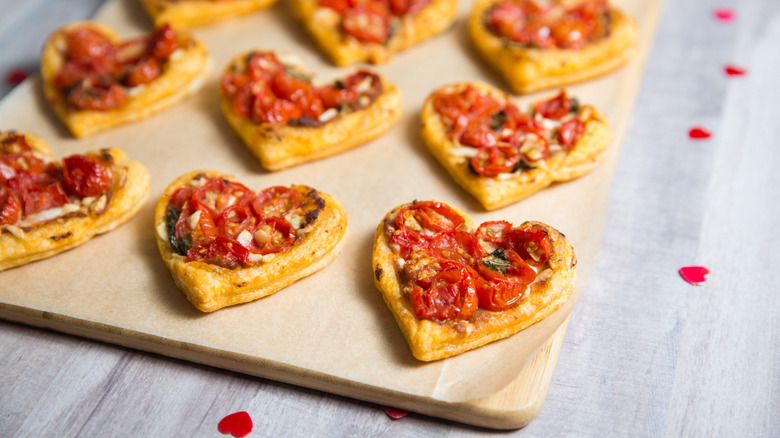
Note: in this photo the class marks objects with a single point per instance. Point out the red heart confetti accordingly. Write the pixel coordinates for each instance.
(725, 14)
(15, 76)
(395, 414)
(699, 133)
(695, 275)
(238, 424)
(733, 70)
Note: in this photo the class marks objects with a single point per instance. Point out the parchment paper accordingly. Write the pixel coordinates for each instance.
(333, 323)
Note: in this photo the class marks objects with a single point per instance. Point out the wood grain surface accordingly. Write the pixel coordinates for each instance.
(645, 353)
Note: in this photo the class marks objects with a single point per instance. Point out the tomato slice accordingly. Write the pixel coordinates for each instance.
(460, 246)
(493, 232)
(217, 194)
(570, 132)
(202, 229)
(449, 294)
(502, 290)
(368, 22)
(10, 207)
(299, 92)
(85, 176)
(276, 201)
(432, 216)
(39, 198)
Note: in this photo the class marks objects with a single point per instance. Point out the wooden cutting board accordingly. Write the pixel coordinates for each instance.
(330, 331)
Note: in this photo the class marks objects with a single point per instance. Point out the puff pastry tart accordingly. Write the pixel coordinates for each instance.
(93, 81)
(183, 14)
(226, 244)
(453, 287)
(351, 31)
(501, 153)
(48, 206)
(538, 44)
(286, 120)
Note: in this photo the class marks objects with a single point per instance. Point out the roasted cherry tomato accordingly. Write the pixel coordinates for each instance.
(507, 277)
(197, 222)
(10, 207)
(570, 132)
(449, 294)
(85, 176)
(495, 160)
(163, 42)
(217, 194)
(459, 246)
(554, 108)
(97, 98)
(263, 66)
(368, 22)
(299, 92)
(220, 251)
(432, 216)
(84, 45)
(276, 201)
(235, 219)
(493, 232)
(338, 5)
(142, 72)
(40, 198)
(274, 235)
(532, 243)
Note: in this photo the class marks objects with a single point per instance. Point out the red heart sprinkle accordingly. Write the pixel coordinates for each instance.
(733, 70)
(238, 424)
(699, 133)
(695, 275)
(724, 14)
(395, 414)
(15, 76)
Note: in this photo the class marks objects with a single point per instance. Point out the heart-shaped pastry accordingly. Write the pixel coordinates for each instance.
(226, 244)
(186, 14)
(536, 44)
(94, 81)
(453, 287)
(372, 30)
(48, 206)
(286, 120)
(501, 153)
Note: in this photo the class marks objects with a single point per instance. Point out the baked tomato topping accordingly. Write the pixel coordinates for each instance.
(541, 25)
(223, 222)
(30, 183)
(371, 21)
(268, 91)
(96, 71)
(449, 271)
(506, 139)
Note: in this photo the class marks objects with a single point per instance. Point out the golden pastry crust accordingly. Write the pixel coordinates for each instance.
(22, 243)
(181, 76)
(210, 287)
(324, 25)
(187, 14)
(531, 69)
(496, 192)
(432, 340)
(281, 146)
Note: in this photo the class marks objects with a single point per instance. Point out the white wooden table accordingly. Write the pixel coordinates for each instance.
(645, 354)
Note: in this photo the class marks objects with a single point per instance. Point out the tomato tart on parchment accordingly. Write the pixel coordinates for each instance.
(183, 14)
(502, 153)
(226, 244)
(352, 31)
(48, 205)
(93, 81)
(538, 44)
(453, 286)
(285, 119)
